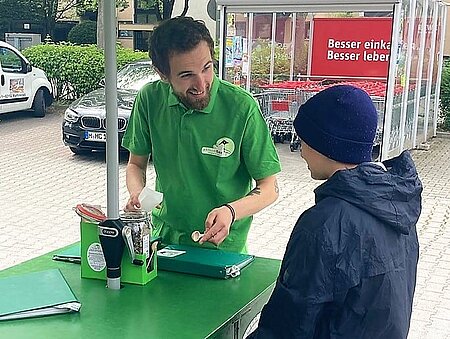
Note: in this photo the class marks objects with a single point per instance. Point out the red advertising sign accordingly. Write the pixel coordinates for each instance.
(352, 47)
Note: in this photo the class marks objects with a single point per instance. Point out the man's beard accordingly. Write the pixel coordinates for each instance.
(196, 104)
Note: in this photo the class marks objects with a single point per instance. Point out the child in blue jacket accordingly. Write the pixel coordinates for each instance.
(349, 269)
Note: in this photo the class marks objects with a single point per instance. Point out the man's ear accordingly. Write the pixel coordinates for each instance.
(162, 76)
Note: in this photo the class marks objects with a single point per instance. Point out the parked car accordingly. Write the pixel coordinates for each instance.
(22, 86)
(84, 125)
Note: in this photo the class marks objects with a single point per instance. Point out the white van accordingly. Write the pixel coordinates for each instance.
(22, 86)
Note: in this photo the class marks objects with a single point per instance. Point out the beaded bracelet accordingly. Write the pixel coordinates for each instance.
(233, 212)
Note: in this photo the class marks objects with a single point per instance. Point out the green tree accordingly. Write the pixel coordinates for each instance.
(261, 54)
(163, 8)
(46, 12)
(52, 11)
(16, 10)
(97, 6)
(92, 5)
(84, 33)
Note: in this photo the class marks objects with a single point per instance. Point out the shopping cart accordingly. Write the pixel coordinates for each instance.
(280, 102)
(279, 105)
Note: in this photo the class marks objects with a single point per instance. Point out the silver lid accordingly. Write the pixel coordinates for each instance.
(135, 216)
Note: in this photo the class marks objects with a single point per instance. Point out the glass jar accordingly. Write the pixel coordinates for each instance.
(141, 230)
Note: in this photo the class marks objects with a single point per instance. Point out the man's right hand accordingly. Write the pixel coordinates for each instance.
(135, 176)
(133, 203)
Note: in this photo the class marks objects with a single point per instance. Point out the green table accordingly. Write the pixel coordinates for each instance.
(173, 305)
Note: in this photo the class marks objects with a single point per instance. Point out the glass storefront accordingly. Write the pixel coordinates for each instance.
(285, 52)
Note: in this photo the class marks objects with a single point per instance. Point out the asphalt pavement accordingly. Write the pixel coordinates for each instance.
(41, 181)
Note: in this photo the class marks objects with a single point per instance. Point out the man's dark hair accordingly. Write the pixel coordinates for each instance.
(177, 35)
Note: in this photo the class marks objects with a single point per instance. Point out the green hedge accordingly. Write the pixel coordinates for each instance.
(445, 97)
(75, 70)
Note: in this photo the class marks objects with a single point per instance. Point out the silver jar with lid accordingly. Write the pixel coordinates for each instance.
(137, 232)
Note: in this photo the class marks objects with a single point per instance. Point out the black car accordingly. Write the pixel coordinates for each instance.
(84, 125)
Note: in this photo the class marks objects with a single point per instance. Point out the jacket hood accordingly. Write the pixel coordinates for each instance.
(392, 195)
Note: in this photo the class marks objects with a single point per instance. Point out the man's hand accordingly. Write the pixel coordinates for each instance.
(136, 179)
(217, 225)
(133, 203)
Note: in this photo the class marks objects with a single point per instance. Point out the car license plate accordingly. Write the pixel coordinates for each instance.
(95, 136)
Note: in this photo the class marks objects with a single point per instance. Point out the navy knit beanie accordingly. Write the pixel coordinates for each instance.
(339, 122)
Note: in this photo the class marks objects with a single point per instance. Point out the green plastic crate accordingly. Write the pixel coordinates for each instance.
(93, 264)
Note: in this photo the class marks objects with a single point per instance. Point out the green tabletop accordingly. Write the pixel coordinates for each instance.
(174, 305)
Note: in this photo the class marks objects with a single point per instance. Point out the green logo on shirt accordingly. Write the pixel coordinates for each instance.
(223, 148)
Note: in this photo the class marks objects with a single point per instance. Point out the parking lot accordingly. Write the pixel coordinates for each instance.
(41, 181)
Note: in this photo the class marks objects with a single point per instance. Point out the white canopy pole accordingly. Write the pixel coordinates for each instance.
(112, 144)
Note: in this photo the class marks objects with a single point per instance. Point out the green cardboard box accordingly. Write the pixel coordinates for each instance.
(93, 263)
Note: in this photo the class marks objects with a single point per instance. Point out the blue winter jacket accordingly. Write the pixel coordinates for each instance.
(349, 270)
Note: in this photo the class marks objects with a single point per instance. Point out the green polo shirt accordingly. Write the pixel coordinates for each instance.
(202, 159)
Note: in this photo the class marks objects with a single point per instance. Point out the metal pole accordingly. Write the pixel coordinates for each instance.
(249, 50)
(112, 144)
(311, 39)
(110, 230)
(293, 37)
(430, 70)
(412, 20)
(222, 42)
(272, 47)
(385, 146)
(419, 84)
(443, 25)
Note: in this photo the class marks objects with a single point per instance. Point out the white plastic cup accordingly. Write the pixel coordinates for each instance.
(149, 199)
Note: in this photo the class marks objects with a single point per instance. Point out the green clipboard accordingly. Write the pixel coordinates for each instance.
(202, 261)
(36, 294)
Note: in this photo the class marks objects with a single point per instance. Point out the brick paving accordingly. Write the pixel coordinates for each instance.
(41, 181)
